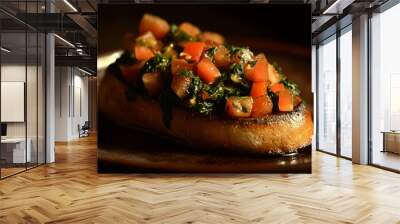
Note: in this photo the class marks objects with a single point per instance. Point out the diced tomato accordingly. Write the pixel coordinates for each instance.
(207, 71)
(258, 89)
(143, 53)
(153, 83)
(190, 29)
(177, 65)
(277, 87)
(194, 49)
(180, 84)
(131, 73)
(212, 37)
(259, 73)
(261, 106)
(237, 107)
(285, 101)
(273, 75)
(221, 57)
(158, 26)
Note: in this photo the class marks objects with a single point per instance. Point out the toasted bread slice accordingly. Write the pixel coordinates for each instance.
(276, 134)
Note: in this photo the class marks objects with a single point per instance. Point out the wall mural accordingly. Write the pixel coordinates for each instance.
(205, 88)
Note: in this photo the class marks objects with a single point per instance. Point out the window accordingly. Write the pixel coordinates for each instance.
(346, 92)
(326, 99)
(385, 88)
(22, 78)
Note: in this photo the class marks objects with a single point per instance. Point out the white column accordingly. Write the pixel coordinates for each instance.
(50, 93)
(360, 90)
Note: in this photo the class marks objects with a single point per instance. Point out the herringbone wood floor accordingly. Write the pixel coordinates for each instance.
(71, 191)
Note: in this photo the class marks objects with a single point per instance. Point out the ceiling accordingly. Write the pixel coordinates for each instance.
(76, 21)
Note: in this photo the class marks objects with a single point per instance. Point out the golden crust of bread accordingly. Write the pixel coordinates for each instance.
(277, 133)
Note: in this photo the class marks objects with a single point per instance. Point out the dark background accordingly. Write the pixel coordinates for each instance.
(285, 23)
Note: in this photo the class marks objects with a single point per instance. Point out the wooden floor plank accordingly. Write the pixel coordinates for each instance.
(71, 191)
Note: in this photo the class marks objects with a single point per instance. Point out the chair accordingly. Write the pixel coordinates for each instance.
(84, 130)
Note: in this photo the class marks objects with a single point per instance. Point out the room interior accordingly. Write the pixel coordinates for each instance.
(49, 69)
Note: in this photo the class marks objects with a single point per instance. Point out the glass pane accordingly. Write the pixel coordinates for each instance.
(327, 96)
(346, 94)
(31, 97)
(13, 86)
(385, 86)
(41, 98)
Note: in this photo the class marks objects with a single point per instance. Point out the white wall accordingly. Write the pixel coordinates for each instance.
(71, 93)
(62, 82)
(16, 72)
(33, 127)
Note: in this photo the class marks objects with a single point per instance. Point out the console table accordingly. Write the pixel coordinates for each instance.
(391, 141)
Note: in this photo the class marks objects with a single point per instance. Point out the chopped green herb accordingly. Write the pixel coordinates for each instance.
(158, 63)
(290, 85)
(210, 52)
(278, 69)
(195, 86)
(204, 107)
(186, 73)
(244, 53)
(217, 92)
(234, 49)
(236, 69)
(252, 63)
(237, 75)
